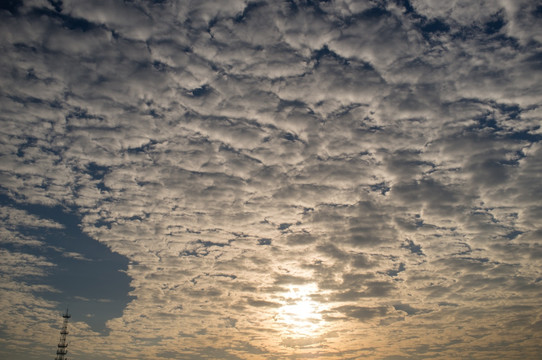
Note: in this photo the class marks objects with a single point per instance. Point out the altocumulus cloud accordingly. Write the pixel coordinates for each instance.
(285, 179)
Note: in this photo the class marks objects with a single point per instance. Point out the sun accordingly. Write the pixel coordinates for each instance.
(300, 315)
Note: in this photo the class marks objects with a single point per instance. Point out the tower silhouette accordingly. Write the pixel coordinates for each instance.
(63, 344)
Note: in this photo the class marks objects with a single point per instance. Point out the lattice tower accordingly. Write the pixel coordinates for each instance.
(63, 344)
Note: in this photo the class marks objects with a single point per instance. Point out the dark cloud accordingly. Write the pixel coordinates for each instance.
(363, 313)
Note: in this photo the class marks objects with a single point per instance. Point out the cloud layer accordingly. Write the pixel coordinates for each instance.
(321, 179)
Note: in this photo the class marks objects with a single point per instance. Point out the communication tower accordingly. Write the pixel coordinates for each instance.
(63, 344)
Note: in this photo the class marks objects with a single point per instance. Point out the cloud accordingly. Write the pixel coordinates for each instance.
(362, 313)
(380, 158)
(13, 218)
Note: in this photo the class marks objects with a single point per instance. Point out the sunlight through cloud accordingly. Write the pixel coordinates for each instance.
(300, 315)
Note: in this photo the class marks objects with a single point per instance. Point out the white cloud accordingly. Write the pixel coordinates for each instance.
(13, 218)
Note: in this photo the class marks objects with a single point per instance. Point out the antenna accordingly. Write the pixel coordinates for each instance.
(63, 344)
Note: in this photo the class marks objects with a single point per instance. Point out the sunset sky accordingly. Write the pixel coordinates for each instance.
(275, 179)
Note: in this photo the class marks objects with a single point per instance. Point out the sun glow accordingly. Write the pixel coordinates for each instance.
(300, 315)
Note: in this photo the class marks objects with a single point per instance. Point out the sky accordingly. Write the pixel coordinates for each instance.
(275, 179)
